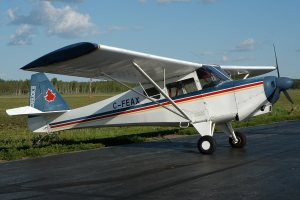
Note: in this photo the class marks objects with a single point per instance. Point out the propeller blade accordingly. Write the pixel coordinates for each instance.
(278, 74)
(275, 96)
(288, 96)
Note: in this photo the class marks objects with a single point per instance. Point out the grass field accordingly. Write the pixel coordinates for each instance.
(17, 142)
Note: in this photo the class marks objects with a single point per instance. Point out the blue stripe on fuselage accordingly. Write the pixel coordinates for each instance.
(221, 86)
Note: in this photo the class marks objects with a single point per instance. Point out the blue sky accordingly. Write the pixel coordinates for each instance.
(228, 32)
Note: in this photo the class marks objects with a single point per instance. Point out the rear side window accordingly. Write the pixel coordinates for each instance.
(174, 89)
(152, 92)
(189, 85)
(181, 87)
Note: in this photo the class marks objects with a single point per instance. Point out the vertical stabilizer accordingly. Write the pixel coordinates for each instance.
(44, 96)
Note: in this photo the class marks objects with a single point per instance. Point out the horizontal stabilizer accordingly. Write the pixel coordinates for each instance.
(28, 110)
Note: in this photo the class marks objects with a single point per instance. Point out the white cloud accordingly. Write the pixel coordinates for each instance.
(63, 22)
(23, 35)
(246, 45)
(11, 14)
(66, 22)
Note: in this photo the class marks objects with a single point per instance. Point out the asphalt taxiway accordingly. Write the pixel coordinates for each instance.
(268, 168)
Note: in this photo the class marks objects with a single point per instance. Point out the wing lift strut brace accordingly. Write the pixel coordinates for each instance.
(206, 128)
(161, 91)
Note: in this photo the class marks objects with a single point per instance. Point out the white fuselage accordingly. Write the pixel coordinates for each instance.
(232, 100)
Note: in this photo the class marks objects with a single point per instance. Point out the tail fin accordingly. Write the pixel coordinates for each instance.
(43, 95)
(43, 98)
(45, 104)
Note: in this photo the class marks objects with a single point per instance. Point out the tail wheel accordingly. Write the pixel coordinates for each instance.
(206, 145)
(241, 140)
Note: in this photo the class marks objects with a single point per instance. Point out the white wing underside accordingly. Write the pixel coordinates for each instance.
(117, 63)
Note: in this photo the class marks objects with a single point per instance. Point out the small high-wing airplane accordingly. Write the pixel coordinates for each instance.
(170, 92)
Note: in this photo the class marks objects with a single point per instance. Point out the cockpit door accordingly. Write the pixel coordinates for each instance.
(219, 98)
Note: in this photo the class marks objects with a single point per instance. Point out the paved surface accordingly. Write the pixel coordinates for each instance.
(268, 168)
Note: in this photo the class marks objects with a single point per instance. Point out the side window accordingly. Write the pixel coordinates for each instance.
(207, 79)
(174, 89)
(189, 85)
(181, 87)
(152, 92)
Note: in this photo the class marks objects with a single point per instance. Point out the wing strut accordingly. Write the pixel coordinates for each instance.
(161, 91)
(141, 94)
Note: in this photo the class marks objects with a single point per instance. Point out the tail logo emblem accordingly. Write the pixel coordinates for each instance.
(50, 96)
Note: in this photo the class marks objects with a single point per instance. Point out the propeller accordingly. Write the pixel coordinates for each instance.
(283, 83)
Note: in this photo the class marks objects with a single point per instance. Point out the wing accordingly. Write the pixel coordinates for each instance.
(92, 60)
(236, 71)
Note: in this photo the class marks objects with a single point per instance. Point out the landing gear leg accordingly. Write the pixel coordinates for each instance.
(236, 138)
(241, 140)
(206, 144)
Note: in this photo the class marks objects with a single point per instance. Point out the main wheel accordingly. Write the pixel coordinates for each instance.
(206, 144)
(241, 140)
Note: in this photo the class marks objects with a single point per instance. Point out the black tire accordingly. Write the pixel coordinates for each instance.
(206, 145)
(242, 140)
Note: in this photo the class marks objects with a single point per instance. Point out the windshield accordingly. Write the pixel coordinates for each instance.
(210, 76)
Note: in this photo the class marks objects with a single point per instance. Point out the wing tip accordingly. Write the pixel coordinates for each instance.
(63, 54)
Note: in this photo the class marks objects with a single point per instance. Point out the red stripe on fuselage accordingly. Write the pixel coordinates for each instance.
(166, 103)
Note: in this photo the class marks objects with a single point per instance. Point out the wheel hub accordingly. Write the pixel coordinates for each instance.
(241, 140)
(236, 141)
(205, 145)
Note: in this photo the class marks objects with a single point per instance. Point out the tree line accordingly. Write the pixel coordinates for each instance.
(21, 87)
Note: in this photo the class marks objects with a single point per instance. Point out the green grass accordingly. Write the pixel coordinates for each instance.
(17, 142)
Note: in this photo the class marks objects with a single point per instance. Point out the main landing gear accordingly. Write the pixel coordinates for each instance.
(207, 144)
